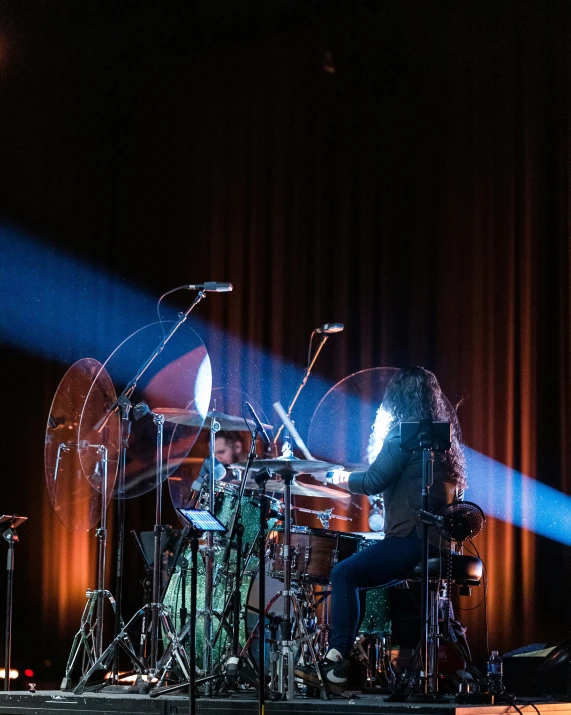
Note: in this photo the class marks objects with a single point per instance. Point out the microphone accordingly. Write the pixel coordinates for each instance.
(259, 426)
(211, 286)
(330, 328)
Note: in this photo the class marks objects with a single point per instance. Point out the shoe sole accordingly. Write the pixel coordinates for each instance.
(313, 680)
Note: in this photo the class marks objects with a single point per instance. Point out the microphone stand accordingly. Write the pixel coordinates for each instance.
(324, 337)
(124, 405)
(8, 528)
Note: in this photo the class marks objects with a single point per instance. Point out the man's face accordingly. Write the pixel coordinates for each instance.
(225, 451)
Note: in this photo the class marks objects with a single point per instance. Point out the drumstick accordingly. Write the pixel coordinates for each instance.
(292, 430)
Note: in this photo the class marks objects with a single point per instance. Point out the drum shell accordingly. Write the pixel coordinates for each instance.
(377, 618)
(314, 553)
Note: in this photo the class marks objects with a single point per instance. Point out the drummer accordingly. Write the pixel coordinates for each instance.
(229, 448)
(412, 395)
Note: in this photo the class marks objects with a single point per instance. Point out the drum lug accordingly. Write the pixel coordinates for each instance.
(307, 556)
(334, 558)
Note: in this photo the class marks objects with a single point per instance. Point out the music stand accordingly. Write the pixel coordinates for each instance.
(198, 522)
(8, 525)
(428, 437)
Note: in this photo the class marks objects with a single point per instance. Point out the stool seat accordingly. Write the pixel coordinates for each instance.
(466, 570)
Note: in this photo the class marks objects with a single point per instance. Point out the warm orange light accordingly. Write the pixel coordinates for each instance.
(13, 673)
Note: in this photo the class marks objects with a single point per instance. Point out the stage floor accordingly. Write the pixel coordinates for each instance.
(55, 701)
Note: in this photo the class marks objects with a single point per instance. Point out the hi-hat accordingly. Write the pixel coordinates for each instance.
(192, 418)
(281, 465)
(298, 488)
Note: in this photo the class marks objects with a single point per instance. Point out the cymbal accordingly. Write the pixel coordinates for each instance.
(192, 418)
(376, 535)
(289, 464)
(304, 490)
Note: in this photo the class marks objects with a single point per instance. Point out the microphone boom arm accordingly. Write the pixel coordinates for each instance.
(303, 382)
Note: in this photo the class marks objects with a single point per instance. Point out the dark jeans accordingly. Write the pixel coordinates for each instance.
(384, 563)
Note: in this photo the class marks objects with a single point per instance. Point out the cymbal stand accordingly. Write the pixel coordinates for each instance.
(8, 524)
(236, 529)
(89, 637)
(208, 655)
(286, 683)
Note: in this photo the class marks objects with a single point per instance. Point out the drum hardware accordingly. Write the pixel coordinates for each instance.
(8, 525)
(89, 637)
(286, 664)
(325, 331)
(323, 516)
(428, 437)
(159, 615)
(207, 658)
(237, 530)
(192, 418)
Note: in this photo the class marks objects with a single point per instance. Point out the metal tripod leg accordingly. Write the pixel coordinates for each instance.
(123, 642)
(87, 635)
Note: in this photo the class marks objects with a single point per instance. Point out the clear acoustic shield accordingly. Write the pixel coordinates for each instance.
(75, 472)
(227, 403)
(341, 425)
(157, 373)
(340, 432)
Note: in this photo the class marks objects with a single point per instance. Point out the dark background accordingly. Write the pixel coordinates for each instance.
(402, 167)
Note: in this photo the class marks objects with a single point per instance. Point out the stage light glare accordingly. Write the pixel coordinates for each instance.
(13, 673)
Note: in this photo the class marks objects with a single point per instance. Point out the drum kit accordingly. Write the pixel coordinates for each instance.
(284, 574)
(119, 429)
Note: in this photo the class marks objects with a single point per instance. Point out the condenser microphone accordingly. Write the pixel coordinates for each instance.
(211, 286)
(330, 328)
(259, 426)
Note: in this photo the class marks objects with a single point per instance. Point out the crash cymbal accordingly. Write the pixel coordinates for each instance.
(191, 418)
(290, 464)
(298, 488)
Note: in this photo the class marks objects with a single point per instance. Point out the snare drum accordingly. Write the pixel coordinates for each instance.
(314, 552)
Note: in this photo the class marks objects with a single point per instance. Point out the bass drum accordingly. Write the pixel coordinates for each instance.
(273, 587)
(177, 594)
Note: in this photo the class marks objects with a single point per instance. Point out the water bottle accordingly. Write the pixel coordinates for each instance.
(495, 672)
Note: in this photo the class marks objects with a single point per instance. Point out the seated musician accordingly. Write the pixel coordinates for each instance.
(413, 394)
(229, 448)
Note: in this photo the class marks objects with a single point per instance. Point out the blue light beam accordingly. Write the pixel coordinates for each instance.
(517, 499)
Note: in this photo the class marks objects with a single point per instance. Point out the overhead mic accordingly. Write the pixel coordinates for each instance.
(211, 286)
(330, 328)
(259, 426)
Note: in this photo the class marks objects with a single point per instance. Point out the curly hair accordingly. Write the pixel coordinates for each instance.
(413, 394)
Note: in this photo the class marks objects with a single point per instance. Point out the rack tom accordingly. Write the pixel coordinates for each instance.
(314, 552)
